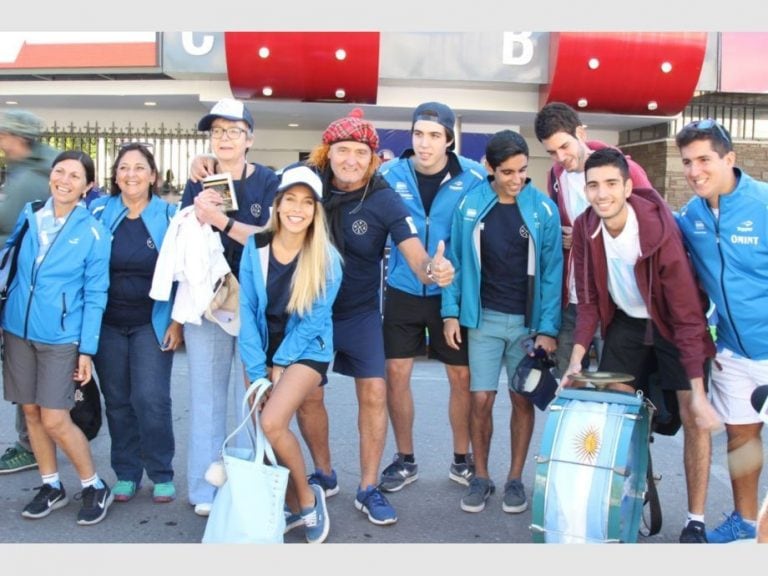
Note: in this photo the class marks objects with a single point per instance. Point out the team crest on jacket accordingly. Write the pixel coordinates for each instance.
(523, 231)
(359, 227)
(150, 244)
(255, 210)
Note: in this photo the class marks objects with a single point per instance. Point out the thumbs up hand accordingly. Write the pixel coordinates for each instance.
(439, 268)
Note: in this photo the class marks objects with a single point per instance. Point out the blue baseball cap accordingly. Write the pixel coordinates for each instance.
(436, 112)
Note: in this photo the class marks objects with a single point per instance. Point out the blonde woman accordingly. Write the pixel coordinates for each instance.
(289, 275)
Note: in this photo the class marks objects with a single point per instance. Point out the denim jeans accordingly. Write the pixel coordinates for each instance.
(211, 354)
(135, 378)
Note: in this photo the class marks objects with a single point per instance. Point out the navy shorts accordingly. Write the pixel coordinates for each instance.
(409, 320)
(276, 338)
(359, 345)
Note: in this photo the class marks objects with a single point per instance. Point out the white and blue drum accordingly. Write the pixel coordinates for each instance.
(591, 471)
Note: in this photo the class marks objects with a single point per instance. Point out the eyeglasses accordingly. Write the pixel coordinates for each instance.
(232, 133)
(707, 125)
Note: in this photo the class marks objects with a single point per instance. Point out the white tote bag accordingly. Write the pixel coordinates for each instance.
(248, 507)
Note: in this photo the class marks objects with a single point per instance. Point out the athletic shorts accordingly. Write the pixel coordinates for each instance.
(625, 350)
(733, 380)
(359, 345)
(276, 338)
(36, 373)
(413, 327)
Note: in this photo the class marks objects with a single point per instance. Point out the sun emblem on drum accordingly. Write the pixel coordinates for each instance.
(588, 444)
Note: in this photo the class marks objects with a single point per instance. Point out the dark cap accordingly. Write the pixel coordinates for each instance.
(436, 112)
(535, 379)
(227, 108)
(21, 123)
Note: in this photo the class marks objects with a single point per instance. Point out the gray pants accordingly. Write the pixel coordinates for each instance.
(565, 340)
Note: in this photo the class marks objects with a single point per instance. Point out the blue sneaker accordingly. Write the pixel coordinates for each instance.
(329, 483)
(733, 528)
(373, 503)
(292, 520)
(316, 521)
(399, 474)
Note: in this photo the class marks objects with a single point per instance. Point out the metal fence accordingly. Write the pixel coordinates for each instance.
(173, 148)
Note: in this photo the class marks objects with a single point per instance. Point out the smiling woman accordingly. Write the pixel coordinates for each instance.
(49, 339)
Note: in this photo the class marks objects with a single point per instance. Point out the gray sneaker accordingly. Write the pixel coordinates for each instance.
(480, 489)
(398, 475)
(514, 497)
(461, 473)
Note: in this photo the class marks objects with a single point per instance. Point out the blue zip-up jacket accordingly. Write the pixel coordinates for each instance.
(156, 215)
(465, 175)
(308, 337)
(62, 300)
(461, 299)
(730, 256)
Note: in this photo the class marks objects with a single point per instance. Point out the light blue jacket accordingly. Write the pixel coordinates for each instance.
(461, 299)
(730, 256)
(401, 176)
(308, 337)
(61, 300)
(156, 215)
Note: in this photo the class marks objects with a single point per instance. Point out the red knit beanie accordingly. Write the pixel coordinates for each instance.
(353, 128)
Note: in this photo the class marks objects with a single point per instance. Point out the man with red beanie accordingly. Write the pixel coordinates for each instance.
(362, 212)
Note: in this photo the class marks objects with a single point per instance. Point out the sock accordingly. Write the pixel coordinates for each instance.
(52, 479)
(459, 458)
(697, 517)
(752, 523)
(408, 458)
(94, 481)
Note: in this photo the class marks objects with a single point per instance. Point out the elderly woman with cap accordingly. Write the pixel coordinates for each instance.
(290, 276)
(211, 351)
(363, 211)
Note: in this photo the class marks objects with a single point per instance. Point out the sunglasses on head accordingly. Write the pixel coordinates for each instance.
(707, 125)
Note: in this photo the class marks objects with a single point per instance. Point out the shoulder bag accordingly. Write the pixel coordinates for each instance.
(248, 507)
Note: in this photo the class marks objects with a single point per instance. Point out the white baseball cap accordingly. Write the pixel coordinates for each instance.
(302, 175)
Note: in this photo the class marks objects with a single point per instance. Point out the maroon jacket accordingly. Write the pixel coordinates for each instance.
(664, 276)
(639, 180)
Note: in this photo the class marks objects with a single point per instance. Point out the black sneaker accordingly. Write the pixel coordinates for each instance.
(45, 501)
(694, 533)
(96, 502)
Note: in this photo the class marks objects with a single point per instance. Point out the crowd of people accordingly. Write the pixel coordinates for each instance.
(484, 268)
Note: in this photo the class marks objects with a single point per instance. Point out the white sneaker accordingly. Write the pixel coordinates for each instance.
(203, 509)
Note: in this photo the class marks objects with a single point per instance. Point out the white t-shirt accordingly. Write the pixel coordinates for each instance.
(575, 202)
(621, 254)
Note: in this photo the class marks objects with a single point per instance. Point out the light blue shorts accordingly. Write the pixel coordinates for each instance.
(497, 342)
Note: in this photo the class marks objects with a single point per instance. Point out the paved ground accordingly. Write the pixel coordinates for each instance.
(428, 510)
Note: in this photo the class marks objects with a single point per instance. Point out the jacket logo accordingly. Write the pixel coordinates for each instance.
(255, 210)
(523, 231)
(150, 244)
(359, 227)
(699, 227)
(74, 241)
(746, 226)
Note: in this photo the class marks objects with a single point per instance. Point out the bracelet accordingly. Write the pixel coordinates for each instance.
(228, 227)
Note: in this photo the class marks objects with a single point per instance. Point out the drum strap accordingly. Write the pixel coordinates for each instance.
(652, 498)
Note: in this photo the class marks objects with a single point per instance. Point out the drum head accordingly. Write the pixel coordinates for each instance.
(601, 379)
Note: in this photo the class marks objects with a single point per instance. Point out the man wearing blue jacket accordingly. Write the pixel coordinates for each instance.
(506, 248)
(431, 179)
(725, 228)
